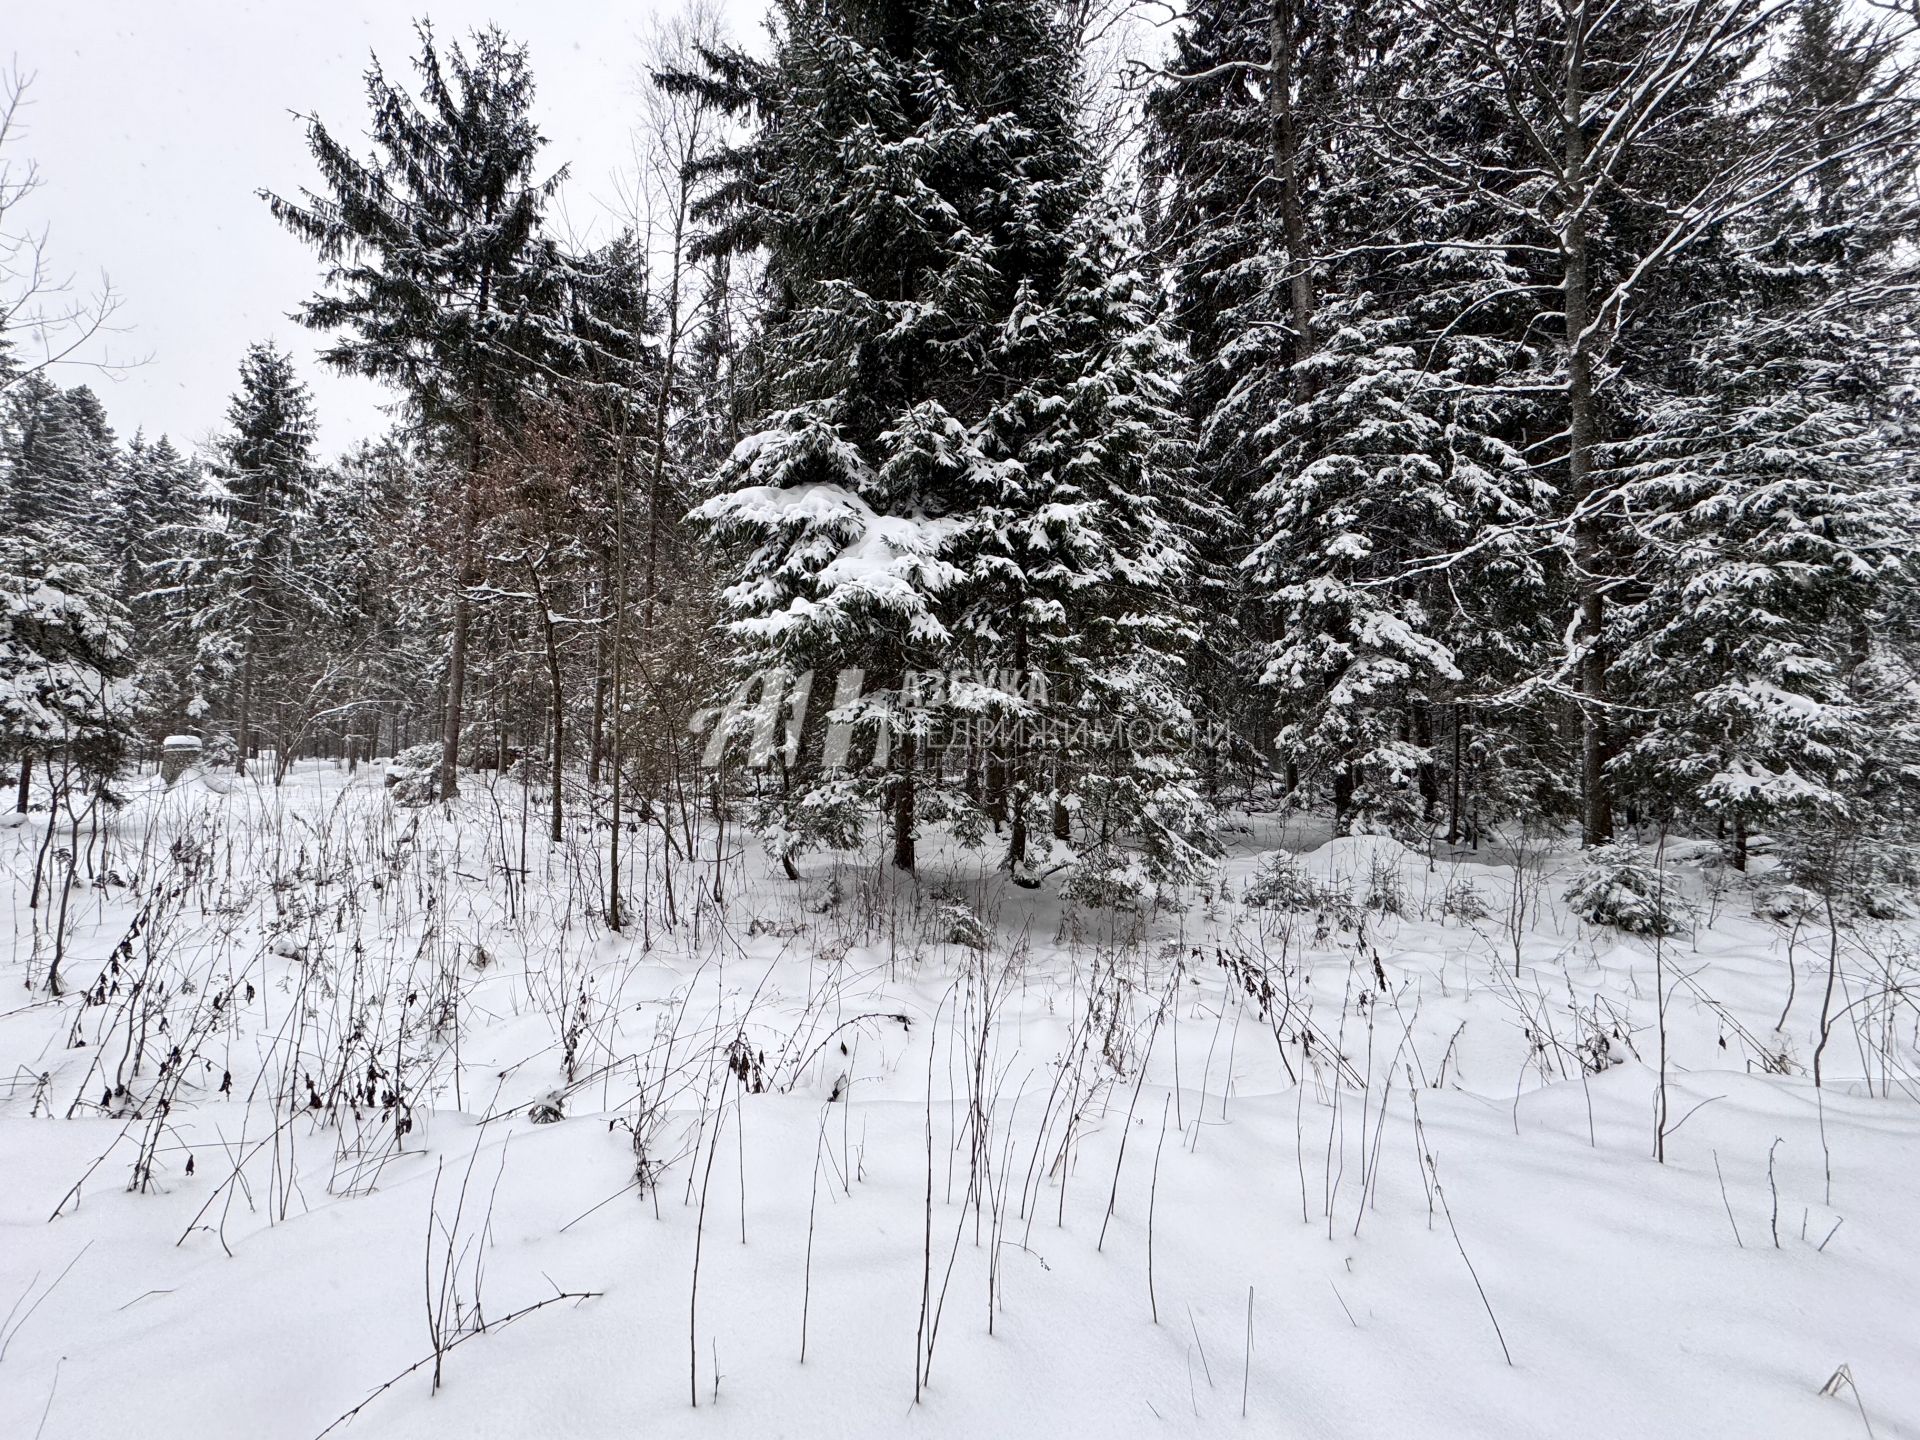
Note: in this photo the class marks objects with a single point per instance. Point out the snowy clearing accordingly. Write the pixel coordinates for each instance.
(337, 1081)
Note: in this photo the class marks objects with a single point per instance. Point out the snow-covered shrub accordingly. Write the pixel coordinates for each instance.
(1869, 871)
(1107, 879)
(958, 923)
(414, 775)
(828, 897)
(1785, 903)
(1885, 897)
(1386, 890)
(1282, 883)
(1599, 1045)
(1621, 887)
(1279, 884)
(780, 929)
(1462, 901)
(790, 822)
(529, 770)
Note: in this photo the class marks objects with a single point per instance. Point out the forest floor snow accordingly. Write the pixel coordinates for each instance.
(1373, 1158)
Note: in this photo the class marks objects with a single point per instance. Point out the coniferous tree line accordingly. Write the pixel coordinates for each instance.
(1555, 359)
(1450, 416)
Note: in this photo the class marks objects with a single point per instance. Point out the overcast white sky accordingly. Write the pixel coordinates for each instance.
(154, 122)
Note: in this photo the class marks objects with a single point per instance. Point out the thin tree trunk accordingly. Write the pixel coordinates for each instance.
(1597, 802)
(903, 803)
(1420, 722)
(559, 740)
(245, 737)
(1453, 783)
(597, 738)
(657, 474)
(557, 693)
(615, 917)
(25, 791)
(457, 649)
(1017, 839)
(1286, 169)
(284, 744)
(462, 603)
(1014, 772)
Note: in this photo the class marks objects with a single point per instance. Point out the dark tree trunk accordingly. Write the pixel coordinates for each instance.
(1596, 821)
(1342, 796)
(1286, 170)
(1453, 783)
(903, 803)
(245, 737)
(457, 661)
(596, 739)
(557, 697)
(553, 767)
(1420, 719)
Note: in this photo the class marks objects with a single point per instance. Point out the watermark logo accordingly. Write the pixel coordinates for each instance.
(966, 714)
(764, 720)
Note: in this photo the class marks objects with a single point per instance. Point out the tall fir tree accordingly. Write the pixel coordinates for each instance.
(242, 586)
(1774, 481)
(65, 661)
(65, 639)
(437, 271)
(154, 489)
(149, 506)
(58, 453)
(1341, 401)
(948, 472)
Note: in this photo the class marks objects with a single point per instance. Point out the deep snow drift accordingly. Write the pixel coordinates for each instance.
(1356, 1144)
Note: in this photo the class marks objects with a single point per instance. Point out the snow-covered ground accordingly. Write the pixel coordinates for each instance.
(335, 1081)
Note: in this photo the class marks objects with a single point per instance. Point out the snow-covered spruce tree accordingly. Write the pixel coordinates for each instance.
(1211, 201)
(893, 183)
(239, 587)
(64, 634)
(1345, 341)
(64, 661)
(1774, 485)
(1224, 150)
(1077, 564)
(360, 660)
(154, 489)
(373, 532)
(151, 504)
(1623, 143)
(436, 269)
(1385, 466)
(1380, 477)
(915, 180)
(56, 453)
